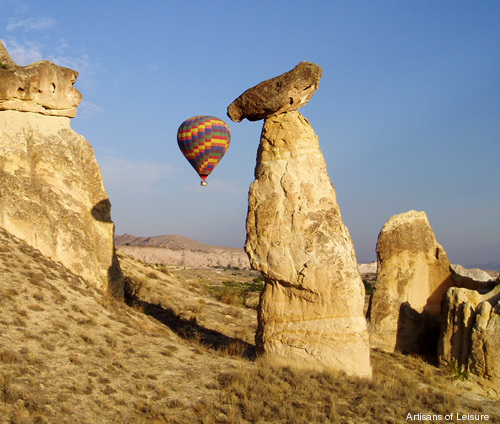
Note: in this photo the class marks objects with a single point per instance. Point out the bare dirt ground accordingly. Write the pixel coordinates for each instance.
(174, 352)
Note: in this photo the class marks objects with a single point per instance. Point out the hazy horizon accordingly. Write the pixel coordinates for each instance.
(407, 111)
(493, 265)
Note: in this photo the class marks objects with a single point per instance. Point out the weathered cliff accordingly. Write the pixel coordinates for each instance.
(51, 189)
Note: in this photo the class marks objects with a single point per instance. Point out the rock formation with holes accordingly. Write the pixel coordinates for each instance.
(310, 313)
(413, 274)
(51, 189)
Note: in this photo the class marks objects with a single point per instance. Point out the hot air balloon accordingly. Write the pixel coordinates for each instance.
(203, 141)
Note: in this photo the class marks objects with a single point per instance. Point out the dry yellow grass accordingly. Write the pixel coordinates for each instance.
(174, 354)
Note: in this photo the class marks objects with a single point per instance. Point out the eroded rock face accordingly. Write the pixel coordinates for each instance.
(413, 274)
(284, 93)
(470, 335)
(41, 87)
(311, 310)
(51, 190)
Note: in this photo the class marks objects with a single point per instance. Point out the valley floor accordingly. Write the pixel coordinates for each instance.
(180, 350)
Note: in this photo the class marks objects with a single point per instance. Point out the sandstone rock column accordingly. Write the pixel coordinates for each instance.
(311, 310)
(51, 190)
(413, 274)
(310, 313)
(470, 337)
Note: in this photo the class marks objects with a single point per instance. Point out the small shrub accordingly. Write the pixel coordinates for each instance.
(459, 372)
(169, 350)
(10, 293)
(75, 359)
(87, 339)
(108, 390)
(235, 292)
(369, 288)
(18, 321)
(7, 392)
(261, 279)
(48, 346)
(35, 307)
(36, 277)
(132, 286)
(8, 356)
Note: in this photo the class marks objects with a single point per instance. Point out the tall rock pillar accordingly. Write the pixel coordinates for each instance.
(311, 309)
(413, 274)
(51, 190)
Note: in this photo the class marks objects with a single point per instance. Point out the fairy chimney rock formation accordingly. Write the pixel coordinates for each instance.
(470, 337)
(51, 189)
(413, 274)
(310, 313)
(284, 93)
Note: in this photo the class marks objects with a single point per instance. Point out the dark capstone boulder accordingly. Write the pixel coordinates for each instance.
(284, 93)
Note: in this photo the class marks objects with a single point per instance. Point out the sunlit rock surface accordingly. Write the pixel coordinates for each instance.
(413, 274)
(284, 93)
(470, 338)
(311, 310)
(41, 87)
(51, 189)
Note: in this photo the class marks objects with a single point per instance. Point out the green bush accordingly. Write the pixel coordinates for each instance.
(459, 372)
(369, 288)
(235, 292)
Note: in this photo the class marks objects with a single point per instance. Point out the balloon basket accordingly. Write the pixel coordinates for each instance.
(203, 183)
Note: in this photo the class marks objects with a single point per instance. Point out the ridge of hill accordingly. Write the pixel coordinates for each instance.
(174, 353)
(182, 251)
(492, 267)
(170, 241)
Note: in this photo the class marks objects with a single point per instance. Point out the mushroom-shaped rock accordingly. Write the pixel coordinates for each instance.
(41, 87)
(284, 93)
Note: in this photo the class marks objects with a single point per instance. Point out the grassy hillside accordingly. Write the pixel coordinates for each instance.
(175, 353)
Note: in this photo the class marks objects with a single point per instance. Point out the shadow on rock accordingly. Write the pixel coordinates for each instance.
(417, 332)
(102, 211)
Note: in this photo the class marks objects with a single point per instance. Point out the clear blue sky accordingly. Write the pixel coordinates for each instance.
(407, 112)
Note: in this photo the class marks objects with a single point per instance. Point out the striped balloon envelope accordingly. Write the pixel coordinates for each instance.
(203, 141)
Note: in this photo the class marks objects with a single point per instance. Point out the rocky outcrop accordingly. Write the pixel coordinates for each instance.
(461, 273)
(222, 258)
(470, 338)
(413, 274)
(368, 268)
(311, 310)
(310, 313)
(51, 189)
(41, 87)
(284, 93)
